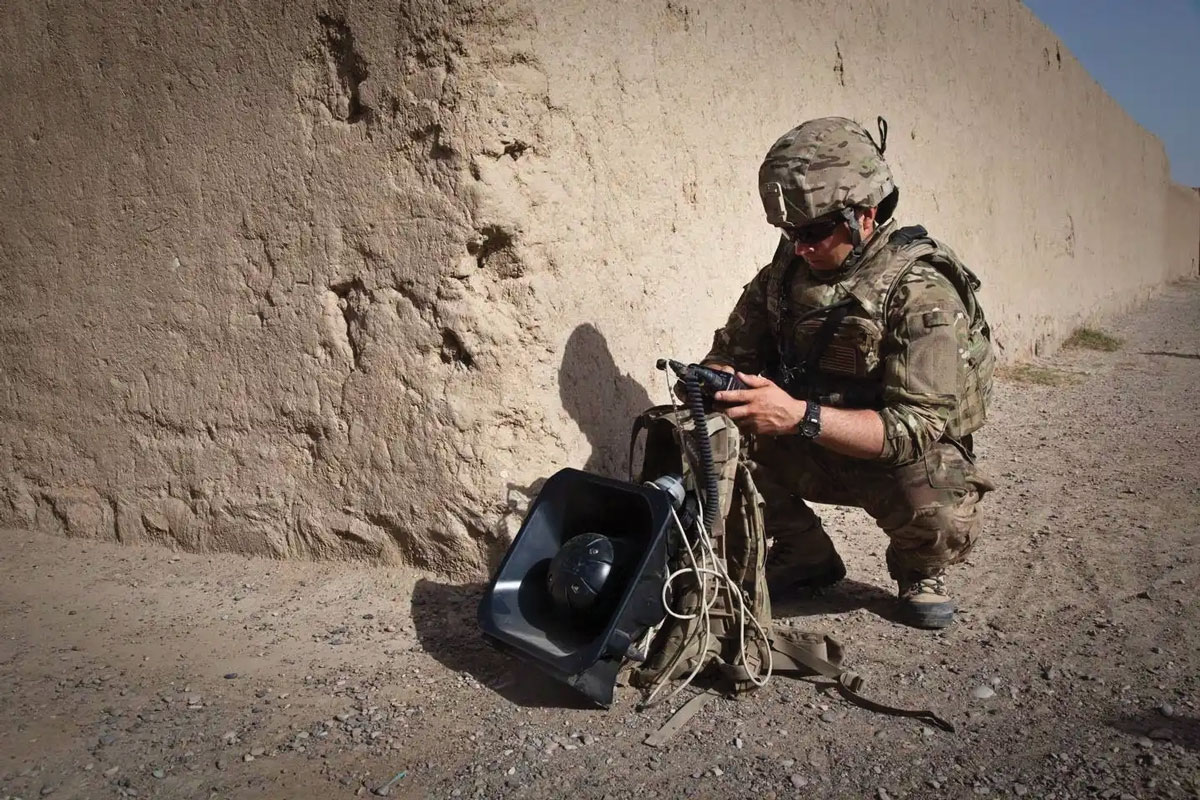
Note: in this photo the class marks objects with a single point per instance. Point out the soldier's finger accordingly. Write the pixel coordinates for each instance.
(754, 381)
(733, 396)
(737, 412)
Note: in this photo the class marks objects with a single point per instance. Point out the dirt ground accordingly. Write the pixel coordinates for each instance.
(138, 672)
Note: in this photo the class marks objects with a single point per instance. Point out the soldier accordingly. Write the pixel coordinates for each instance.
(869, 364)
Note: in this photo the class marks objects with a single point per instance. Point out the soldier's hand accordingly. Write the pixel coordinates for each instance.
(765, 408)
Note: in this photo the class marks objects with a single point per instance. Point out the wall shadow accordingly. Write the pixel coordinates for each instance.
(444, 618)
(1183, 731)
(601, 399)
(1166, 353)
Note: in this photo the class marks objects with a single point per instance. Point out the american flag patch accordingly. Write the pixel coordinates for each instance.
(846, 353)
(843, 359)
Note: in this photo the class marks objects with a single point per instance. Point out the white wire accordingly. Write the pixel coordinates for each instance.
(712, 567)
(705, 628)
(670, 389)
(736, 591)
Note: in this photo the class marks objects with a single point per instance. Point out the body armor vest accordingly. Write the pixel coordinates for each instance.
(831, 337)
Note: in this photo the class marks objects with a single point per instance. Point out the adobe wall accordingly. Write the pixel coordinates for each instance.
(1183, 231)
(346, 279)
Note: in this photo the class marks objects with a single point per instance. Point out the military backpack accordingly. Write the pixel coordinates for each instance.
(719, 627)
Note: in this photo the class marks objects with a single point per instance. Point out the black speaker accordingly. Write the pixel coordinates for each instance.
(582, 580)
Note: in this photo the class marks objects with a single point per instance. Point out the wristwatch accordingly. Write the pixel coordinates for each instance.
(810, 426)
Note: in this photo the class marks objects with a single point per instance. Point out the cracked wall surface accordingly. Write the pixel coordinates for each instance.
(346, 280)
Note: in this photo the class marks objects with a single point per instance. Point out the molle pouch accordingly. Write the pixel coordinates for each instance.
(981, 359)
(946, 467)
(976, 386)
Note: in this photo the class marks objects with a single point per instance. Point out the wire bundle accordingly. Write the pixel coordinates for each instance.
(711, 575)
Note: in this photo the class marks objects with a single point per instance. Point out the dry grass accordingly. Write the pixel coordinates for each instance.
(1092, 339)
(1038, 375)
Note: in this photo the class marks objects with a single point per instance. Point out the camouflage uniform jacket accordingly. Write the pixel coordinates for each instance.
(913, 343)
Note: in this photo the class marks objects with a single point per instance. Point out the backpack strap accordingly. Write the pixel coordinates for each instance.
(682, 717)
(848, 684)
(799, 654)
(641, 423)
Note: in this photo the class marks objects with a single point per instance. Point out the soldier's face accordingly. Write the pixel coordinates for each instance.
(829, 253)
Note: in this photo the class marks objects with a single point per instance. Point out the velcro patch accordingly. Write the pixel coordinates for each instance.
(933, 319)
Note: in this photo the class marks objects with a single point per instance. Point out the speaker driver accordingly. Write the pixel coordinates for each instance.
(585, 576)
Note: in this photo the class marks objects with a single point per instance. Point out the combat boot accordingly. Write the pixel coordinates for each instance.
(924, 602)
(790, 568)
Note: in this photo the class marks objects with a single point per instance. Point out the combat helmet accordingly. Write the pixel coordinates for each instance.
(826, 167)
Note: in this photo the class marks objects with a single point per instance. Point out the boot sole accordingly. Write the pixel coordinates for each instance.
(927, 618)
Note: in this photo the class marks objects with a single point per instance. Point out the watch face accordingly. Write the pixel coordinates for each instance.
(810, 426)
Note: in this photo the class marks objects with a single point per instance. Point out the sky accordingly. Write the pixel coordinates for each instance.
(1146, 55)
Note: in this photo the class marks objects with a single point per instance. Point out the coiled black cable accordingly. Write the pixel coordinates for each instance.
(695, 402)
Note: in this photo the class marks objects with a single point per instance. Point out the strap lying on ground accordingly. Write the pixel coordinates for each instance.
(785, 648)
(801, 655)
(681, 717)
(847, 685)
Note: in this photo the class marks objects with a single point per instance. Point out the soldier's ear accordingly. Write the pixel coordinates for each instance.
(866, 219)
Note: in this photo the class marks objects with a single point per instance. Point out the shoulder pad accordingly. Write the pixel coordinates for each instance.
(903, 237)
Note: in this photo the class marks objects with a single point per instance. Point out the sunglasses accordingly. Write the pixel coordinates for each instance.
(811, 233)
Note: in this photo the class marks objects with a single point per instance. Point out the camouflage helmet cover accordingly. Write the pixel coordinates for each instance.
(823, 166)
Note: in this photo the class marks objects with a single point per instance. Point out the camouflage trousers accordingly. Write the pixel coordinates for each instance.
(929, 509)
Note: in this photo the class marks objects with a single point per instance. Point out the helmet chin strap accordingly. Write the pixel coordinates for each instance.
(856, 237)
(854, 225)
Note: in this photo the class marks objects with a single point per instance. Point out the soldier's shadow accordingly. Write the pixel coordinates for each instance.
(601, 399)
(841, 598)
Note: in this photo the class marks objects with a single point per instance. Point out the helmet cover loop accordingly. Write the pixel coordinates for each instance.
(881, 146)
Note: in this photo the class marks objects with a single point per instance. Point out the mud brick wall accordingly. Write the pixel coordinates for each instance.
(1183, 232)
(345, 279)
